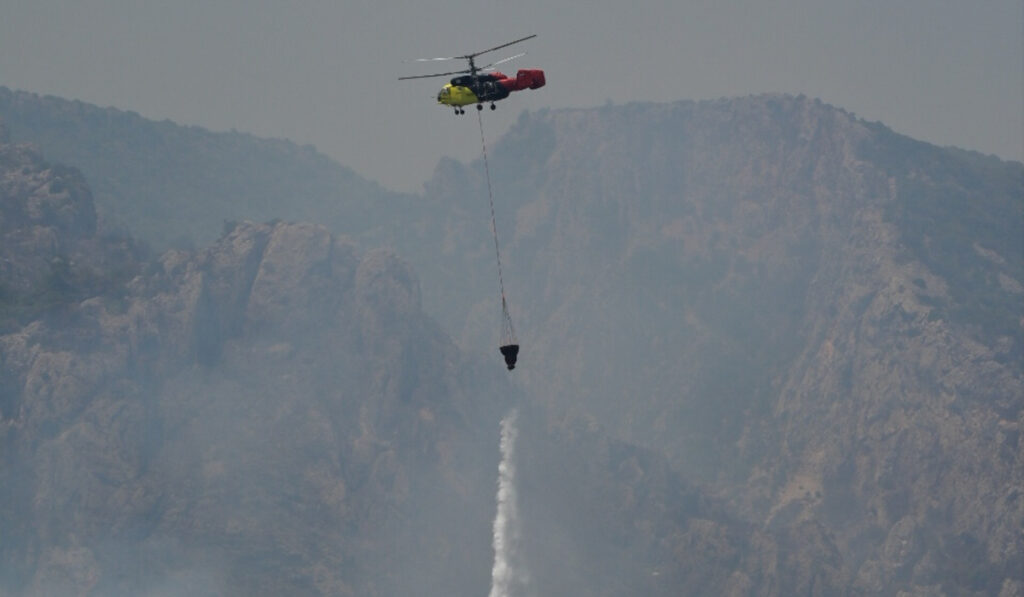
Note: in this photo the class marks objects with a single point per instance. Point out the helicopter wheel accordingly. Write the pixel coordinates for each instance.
(479, 107)
(493, 107)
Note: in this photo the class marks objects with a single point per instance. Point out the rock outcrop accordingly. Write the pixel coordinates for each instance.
(807, 312)
(768, 349)
(172, 186)
(47, 212)
(271, 415)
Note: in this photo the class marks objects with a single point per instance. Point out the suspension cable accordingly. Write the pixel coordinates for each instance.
(507, 332)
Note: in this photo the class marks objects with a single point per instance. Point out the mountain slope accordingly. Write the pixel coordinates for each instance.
(810, 312)
(271, 415)
(275, 415)
(810, 316)
(173, 185)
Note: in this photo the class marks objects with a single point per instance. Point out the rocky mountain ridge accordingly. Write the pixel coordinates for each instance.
(167, 433)
(173, 186)
(275, 415)
(809, 316)
(809, 312)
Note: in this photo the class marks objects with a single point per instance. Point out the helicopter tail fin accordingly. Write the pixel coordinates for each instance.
(532, 78)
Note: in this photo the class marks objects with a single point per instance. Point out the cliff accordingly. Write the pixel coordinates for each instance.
(173, 186)
(271, 415)
(768, 348)
(275, 414)
(813, 315)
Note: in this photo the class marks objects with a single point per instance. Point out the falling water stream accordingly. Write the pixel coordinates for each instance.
(509, 577)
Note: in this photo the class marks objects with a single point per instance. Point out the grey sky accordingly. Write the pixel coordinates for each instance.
(325, 72)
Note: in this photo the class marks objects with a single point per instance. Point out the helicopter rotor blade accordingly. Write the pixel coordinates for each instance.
(457, 72)
(473, 69)
(475, 54)
(502, 61)
(433, 59)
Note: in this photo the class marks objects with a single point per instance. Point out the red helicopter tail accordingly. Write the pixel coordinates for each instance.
(532, 78)
(527, 78)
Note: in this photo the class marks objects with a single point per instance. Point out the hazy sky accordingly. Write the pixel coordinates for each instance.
(325, 72)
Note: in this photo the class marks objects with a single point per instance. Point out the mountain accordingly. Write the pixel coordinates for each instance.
(171, 185)
(275, 414)
(768, 348)
(813, 315)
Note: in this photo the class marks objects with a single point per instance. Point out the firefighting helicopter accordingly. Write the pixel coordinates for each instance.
(475, 86)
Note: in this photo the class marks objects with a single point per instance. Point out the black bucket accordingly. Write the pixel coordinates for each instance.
(510, 352)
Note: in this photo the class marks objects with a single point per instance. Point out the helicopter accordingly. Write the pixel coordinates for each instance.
(475, 86)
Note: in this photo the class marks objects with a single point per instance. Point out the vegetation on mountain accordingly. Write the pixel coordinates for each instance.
(807, 312)
(171, 185)
(768, 348)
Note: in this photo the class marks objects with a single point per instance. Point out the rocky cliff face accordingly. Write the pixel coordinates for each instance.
(275, 415)
(271, 415)
(49, 211)
(812, 314)
(768, 349)
(192, 179)
(603, 517)
(897, 422)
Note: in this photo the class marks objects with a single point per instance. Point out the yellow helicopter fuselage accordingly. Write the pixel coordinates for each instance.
(456, 95)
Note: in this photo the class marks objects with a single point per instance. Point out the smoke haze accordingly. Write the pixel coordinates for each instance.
(767, 351)
(326, 74)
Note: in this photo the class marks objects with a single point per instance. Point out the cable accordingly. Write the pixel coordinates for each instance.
(508, 335)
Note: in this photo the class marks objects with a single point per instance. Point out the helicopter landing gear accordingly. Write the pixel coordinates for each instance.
(459, 110)
(479, 107)
(493, 107)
